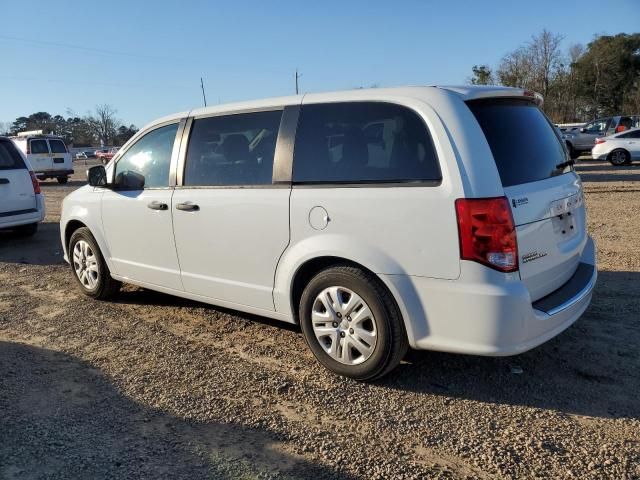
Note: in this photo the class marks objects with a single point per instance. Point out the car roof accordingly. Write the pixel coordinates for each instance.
(465, 92)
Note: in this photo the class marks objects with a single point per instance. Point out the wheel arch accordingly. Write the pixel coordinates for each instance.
(310, 267)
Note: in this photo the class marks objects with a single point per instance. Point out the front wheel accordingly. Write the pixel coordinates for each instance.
(88, 266)
(63, 180)
(619, 158)
(351, 323)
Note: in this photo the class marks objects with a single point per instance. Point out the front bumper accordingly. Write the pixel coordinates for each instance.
(488, 313)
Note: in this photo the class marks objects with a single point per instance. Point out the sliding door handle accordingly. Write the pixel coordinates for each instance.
(188, 207)
(156, 205)
(4, 181)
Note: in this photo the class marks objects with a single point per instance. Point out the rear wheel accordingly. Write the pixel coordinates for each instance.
(63, 180)
(619, 157)
(351, 323)
(26, 230)
(88, 266)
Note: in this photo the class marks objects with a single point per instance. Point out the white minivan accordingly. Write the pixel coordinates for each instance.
(21, 201)
(376, 219)
(47, 154)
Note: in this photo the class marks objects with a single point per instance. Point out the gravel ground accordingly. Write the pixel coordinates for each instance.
(152, 386)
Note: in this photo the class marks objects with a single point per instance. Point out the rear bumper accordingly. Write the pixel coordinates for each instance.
(15, 219)
(488, 313)
(53, 173)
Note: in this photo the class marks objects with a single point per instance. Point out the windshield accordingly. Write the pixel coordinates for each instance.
(525, 146)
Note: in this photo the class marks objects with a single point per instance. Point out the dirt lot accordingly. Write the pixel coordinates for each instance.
(153, 386)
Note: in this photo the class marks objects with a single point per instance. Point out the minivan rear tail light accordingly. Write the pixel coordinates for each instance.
(487, 232)
(35, 182)
(599, 140)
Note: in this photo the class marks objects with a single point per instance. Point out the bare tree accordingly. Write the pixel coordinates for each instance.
(516, 69)
(104, 123)
(545, 56)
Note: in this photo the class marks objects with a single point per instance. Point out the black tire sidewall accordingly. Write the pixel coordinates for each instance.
(337, 277)
(626, 158)
(85, 234)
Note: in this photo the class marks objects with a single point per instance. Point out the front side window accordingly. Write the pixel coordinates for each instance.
(232, 150)
(363, 142)
(146, 164)
(39, 146)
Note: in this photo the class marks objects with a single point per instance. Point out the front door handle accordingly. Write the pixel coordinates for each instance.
(188, 207)
(156, 205)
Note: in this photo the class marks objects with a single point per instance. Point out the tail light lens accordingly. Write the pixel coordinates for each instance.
(487, 232)
(35, 183)
(599, 140)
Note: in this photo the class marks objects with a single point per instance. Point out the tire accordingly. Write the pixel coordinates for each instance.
(97, 283)
(619, 157)
(63, 180)
(26, 230)
(379, 326)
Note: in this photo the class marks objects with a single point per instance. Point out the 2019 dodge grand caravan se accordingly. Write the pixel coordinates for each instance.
(376, 219)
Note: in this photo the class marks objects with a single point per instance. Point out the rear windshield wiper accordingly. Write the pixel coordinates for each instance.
(563, 165)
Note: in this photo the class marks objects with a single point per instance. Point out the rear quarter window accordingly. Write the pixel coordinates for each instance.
(523, 142)
(10, 158)
(363, 142)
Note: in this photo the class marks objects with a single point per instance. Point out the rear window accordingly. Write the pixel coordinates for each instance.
(524, 144)
(363, 142)
(10, 158)
(57, 146)
(39, 146)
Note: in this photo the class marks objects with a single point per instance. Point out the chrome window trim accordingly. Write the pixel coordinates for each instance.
(283, 156)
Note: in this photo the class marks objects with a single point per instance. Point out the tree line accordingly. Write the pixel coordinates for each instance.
(578, 84)
(100, 127)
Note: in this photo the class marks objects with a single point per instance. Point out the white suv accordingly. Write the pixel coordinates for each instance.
(21, 201)
(376, 219)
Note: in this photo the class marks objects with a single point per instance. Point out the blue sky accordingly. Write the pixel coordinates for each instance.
(146, 58)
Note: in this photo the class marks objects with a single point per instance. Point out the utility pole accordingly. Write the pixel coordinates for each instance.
(203, 95)
(298, 75)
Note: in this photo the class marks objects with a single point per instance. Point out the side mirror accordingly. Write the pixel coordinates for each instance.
(97, 176)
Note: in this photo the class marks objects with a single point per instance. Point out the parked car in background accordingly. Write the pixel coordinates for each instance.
(47, 154)
(21, 201)
(106, 156)
(619, 149)
(85, 154)
(444, 218)
(583, 140)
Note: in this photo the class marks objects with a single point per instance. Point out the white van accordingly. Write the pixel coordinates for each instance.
(21, 201)
(376, 219)
(47, 154)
